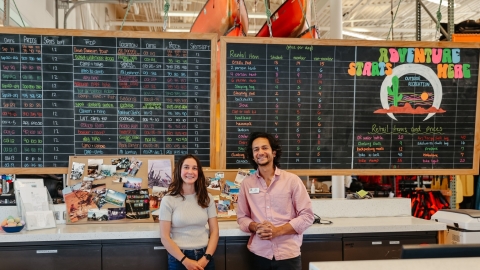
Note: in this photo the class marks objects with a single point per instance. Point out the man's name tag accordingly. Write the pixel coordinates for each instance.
(253, 190)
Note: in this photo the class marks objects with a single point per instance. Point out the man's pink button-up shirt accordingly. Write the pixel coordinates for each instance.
(285, 201)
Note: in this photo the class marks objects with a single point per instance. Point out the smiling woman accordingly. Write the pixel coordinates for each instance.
(184, 212)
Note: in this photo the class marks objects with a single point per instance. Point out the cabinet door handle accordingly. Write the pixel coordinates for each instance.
(47, 251)
(158, 248)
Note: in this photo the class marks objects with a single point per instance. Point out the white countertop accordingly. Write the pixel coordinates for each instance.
(376, 207)
(228, 228)
(424, 264)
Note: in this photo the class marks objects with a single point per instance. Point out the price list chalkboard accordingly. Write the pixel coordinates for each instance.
(104, 93)
(360, 107)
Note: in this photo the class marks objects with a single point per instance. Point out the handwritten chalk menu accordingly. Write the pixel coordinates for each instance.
(103, 93)
(354, 106)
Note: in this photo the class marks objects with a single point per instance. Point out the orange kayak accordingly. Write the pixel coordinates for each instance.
(289, 20)
(218, 16)
(236, 31)
(311, 32)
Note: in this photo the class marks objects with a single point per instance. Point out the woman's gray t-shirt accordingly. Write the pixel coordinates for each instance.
(188, 220)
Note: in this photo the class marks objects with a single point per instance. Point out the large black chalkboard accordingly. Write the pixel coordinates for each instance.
(354, 106)
(67, 93)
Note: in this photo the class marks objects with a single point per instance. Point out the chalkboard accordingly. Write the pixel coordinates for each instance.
(67, 93)
(344, 107)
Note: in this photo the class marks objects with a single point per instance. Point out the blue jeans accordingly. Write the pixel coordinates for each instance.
(192, 254)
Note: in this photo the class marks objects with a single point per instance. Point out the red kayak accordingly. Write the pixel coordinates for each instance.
(289, 20)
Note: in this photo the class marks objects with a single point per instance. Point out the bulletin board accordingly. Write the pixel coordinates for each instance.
(113, 180)
(223, 194)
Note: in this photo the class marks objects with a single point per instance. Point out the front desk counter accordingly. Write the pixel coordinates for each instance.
(424, 264)
(360, 230)
(137, 245)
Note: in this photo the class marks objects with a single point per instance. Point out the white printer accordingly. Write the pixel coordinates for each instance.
(463, 225)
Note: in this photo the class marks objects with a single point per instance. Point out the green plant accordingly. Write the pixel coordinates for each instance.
(393, 91)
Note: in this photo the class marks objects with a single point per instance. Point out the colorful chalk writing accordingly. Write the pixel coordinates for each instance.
(354, 107)
(83, 95)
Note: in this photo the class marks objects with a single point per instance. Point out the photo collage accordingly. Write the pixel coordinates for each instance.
(225, 193)
(116, 188)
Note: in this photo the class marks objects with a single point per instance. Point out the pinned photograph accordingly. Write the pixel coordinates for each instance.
(78, 203)
(120, 179)
(241, 174)
(98, 193)
(214, 184)
(108, 170)
(93, 167)
(154, 203)
(121, 163)
(86, 186)
(117, 213)
(115, 197)
(76, 187)
(230, 187)
(133, 183)
(222, 208)
(137, 204)
(159, 192)
(155, 215)
(234, 197)
(159, 173)
(157, 195)
(77, 170)
(97, 215)
(135, 165)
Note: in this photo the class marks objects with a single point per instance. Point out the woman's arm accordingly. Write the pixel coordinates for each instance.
(173, 249)
(212, 241)
(167, 242)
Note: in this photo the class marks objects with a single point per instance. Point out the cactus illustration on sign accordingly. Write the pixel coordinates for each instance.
(393, 91)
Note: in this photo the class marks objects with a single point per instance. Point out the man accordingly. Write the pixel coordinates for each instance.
(274, 206)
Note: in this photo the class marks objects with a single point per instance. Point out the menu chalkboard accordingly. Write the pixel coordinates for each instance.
(343, 107)
(66, 93)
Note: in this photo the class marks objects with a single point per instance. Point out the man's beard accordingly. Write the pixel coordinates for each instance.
(265, 163)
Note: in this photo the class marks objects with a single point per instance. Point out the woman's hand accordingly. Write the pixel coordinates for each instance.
(203, 261)
(192, 264)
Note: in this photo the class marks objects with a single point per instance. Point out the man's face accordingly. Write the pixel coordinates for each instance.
(262, 152)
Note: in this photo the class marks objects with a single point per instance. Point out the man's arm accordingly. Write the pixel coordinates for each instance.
(304, 219)
(243, 211)
(303, 207)
(267, 230)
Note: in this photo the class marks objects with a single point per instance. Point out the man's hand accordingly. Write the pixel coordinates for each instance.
(265, 230)
(275, 231)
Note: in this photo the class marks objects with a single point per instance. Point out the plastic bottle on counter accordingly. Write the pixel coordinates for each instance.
(312, 187)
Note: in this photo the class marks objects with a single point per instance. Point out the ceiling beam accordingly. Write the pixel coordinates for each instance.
(322, 28)
(194, 14)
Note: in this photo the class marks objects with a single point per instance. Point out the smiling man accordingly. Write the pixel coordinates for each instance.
(274, 206)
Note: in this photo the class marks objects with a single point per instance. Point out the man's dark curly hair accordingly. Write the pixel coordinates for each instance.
(274, 144)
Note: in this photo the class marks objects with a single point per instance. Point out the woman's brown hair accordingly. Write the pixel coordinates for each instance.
(175, 187)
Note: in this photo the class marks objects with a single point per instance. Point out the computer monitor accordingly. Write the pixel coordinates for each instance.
(440, 251)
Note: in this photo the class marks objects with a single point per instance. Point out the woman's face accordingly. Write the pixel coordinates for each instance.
(189, 171)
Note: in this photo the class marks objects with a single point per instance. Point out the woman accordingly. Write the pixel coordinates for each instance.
(184, 211)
